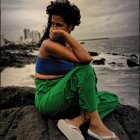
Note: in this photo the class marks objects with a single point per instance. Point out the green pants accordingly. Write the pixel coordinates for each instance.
(57, 95)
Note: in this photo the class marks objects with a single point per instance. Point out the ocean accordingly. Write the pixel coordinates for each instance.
(116, 76)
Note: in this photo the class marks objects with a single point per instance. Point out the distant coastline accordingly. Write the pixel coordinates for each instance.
(94, 39)
(103, 38)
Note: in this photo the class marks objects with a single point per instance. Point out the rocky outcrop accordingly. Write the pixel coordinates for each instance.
(15, 59)
(132, 61)
(99, 62)
(93, 53)
(17, 55)
(20, 120)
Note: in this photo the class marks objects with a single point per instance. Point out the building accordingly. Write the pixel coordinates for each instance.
(27, 35)
(31, 36)
(35, 35)
(21, 38)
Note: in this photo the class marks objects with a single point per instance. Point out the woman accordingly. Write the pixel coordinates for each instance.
(64, 73)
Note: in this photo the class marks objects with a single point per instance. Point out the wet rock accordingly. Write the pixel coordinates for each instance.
(17, 55)
(115, 53)
(82, 42)
(99, 62)
(16, 59)
(132, 61)
(93, 53)
(114, 64)
(20, 120)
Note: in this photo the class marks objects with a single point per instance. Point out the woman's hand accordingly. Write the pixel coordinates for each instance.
(77, 54)
(57, 35)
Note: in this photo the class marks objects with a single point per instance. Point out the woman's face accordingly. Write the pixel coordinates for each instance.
(57, 22)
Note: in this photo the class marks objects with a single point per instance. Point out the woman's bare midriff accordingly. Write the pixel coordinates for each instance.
(41, 76)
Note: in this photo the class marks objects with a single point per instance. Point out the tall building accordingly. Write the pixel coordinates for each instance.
(27, 35)
(21, 38)
(35, 35)
(31, 36)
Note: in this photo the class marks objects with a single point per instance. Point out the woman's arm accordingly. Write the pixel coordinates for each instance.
(78, 53)
(57, 50)
(77, 49)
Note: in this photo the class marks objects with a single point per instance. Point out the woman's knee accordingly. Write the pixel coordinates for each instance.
(85, 73)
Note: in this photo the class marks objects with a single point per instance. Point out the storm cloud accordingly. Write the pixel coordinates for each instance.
(100, 18)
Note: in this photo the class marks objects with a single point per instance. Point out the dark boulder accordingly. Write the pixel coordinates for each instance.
(11, 97)
(99, 62)
(132, 61)
(115, 53)
(13, 59)
(17, 55)
(19, 119)
(93, 53)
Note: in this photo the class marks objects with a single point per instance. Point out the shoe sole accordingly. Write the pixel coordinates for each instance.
(69, 132)
(102, 137)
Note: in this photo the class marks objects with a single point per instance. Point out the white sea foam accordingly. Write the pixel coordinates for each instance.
(18, 76)
(112, 61)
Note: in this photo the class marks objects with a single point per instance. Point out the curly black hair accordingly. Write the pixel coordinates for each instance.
(69, 12)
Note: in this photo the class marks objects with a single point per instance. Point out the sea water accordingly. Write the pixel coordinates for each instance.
(116, 76)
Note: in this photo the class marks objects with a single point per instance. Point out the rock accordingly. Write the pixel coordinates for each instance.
(17, 55)
(93, 53)
(20, 120)
(99, 62)
(22, 123)
(16, 97)
(115, 53)
(114, 64)
(14, 59)
(133, 61)
(82, 42)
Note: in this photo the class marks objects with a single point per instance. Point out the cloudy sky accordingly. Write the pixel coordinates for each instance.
(100, 18)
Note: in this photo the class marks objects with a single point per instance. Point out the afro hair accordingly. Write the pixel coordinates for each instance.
(69, 12)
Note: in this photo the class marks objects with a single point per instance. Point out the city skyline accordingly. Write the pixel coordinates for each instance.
(100, 18)
(29, 36)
